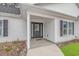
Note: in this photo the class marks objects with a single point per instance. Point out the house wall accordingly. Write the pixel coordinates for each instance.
(16, 29)
(49, 30)
(65, 38)
(66, 8)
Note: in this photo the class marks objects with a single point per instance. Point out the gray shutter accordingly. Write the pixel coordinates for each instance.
(5, 28)
(61, 23)
(73, 28)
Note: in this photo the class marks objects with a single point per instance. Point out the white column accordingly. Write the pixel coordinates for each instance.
(28, 31)
(57, 32)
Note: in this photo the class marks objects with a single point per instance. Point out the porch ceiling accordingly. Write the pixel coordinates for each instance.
(39, 18)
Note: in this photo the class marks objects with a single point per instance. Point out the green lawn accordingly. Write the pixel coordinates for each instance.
(71, 49)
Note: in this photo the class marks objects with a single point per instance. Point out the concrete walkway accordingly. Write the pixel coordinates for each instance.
(51, 50)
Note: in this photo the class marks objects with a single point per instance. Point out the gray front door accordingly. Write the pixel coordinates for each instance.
(37, 30)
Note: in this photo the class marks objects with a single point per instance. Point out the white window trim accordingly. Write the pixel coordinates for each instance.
(71, 29)
(68, 28)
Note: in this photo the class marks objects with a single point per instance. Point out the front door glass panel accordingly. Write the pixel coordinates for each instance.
(37, 30)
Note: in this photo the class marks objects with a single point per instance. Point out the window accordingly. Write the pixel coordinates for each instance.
(66, 28)
(70, 28)
(4, 28)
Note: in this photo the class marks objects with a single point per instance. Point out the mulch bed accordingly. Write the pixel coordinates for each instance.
(66, 43)
(12, 48)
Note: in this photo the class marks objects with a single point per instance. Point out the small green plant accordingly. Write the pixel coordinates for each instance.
(7, 49)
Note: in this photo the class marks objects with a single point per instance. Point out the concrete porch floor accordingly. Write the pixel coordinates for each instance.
(39, 42)
(43, 48)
